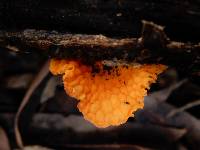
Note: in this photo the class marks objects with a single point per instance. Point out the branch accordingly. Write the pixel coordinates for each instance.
(152, 47)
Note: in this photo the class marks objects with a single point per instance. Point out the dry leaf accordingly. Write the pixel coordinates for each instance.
(4, 143)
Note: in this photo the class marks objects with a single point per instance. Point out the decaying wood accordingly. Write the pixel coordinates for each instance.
(152, 47)
(67, 45)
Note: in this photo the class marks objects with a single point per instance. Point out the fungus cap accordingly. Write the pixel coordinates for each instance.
(108, 97)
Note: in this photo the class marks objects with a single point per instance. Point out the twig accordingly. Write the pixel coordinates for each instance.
(40, 76)
(183, 108)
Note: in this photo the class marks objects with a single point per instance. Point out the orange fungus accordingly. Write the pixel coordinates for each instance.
(108, 97)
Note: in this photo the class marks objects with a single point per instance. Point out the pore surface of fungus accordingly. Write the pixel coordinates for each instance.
(108, 97)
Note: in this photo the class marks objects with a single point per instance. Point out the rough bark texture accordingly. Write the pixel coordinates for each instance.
(152, 47)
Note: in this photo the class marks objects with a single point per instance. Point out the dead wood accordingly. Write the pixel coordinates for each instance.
(152, 47)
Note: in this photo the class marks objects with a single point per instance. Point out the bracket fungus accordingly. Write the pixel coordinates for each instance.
(107, 97)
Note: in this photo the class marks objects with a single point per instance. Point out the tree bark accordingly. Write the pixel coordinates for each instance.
(152, 47)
